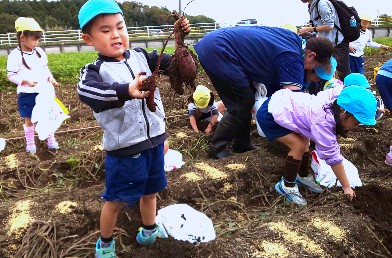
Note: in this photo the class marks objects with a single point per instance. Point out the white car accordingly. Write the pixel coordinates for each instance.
(247, 22)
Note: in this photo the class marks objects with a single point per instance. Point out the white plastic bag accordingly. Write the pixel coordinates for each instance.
(173, 160)
(48, 113)
(260, 96)
(2, 144)
(184, 223)
(325, 176)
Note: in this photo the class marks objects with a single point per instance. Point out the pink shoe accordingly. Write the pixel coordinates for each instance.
(388, 158)
(52, 143)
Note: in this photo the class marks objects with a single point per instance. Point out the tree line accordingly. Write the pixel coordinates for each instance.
(63, 14)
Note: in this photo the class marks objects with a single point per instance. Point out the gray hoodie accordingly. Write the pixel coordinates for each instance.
(129, 126)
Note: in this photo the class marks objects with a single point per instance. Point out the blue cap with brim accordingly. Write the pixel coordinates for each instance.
(92, 8)
(323, 74)
(359, 102)
(356, 79)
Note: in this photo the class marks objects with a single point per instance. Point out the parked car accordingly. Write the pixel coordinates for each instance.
(247, 22)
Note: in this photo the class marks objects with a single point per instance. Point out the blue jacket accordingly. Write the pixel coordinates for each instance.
(129, 126)
(242, 56)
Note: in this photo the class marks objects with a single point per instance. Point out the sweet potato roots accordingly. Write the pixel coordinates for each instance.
(151, 83)
(182, 68)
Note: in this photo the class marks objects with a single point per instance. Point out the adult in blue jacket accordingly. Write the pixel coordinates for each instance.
(384, 83)
(237, 57)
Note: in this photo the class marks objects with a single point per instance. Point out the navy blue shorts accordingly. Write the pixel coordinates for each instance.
(26, 103)
(357, 64)
(204, 116)
(129, 178)
(266, 121)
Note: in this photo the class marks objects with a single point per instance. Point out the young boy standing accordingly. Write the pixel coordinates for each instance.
(133, 136)
(357, 47)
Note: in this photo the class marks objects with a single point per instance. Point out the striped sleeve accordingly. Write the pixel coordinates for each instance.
(96, 93)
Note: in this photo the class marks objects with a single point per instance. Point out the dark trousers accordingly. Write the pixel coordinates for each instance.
(341, 54)
(384, 86)
(238, 100)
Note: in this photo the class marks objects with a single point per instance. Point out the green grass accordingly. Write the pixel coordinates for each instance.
(376, 51)
(65, 67)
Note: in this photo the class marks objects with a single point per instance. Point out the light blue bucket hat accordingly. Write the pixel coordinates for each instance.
(356, 79)
(323, 74)
(359, 102)
(92, 8)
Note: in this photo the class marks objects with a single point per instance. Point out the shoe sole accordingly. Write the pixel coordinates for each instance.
(302, 184)
(387, 163)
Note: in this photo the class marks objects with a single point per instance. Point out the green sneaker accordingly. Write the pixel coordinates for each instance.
(151, 239)
(107, 252)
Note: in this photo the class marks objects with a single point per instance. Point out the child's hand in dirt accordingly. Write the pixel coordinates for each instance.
(208, 130)
(387, 112)
(139, 84)
(349, 192)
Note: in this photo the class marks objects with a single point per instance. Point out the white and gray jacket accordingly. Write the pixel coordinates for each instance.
(129, 126)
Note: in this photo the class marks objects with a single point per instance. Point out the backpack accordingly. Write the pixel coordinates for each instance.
(350, 23)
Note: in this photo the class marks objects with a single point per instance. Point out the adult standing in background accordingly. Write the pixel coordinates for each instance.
(237, 57)
(384, 83)
(324, 17)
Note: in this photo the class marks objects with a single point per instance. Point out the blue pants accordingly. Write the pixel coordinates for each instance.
(357, 64)
(384, 85)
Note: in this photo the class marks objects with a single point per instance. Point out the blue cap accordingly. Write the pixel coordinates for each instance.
(323, 74)
(92, 8)
(359, 102)
(356, 79)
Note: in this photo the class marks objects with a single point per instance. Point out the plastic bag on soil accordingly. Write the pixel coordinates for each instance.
(326, 177)
(184, 223)
(173, 160)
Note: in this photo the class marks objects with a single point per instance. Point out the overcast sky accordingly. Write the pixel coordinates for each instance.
(271, 13)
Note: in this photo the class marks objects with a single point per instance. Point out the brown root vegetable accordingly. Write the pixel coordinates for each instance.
(182, 68)
(151, 82)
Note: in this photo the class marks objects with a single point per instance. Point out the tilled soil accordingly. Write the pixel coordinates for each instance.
(50, 201)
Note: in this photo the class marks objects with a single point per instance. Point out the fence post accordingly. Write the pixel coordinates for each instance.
(9, 39)
(148, 32)
(79, 35)
(43, 36)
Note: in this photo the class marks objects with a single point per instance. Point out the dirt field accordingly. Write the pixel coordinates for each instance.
(50, 203)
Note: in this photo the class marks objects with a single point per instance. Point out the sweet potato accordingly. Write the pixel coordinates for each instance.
(182, 68)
